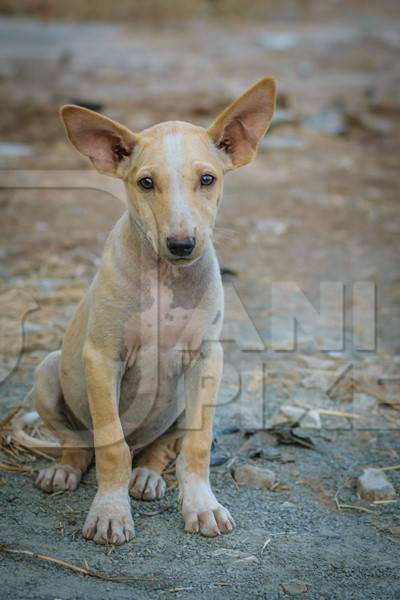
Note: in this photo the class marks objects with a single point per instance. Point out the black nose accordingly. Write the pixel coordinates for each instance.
(181, 246)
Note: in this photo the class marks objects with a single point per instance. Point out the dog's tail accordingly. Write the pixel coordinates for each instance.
(45, 447)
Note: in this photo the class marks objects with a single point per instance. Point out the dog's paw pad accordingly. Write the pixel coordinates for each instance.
(146, 484)
(58, 478)
(209, 523)
(108, 531)
(224, 520)
(109, 520)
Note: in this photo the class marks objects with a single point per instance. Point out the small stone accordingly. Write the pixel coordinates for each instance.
(271, 453)
(287, 457)
(254, 477)
(373, 485)
(395, 530)
(295, 587)
(257, 443)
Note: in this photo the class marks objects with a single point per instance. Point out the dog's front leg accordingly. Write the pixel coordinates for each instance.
(109, 519)
(201, 511)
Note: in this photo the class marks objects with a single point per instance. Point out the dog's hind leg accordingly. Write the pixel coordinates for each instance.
(49, 403)
(146, 481)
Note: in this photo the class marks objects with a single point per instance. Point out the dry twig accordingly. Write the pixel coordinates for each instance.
(267, 541)
(392, 468)
(355, 507)
(15, 468)
(81, 570)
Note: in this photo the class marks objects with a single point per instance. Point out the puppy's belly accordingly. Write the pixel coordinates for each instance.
(151, 396)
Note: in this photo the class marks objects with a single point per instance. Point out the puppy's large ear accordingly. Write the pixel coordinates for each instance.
(240, 127)
(107, 143)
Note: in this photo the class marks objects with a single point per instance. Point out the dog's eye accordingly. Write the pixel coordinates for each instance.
(146, 183)
(207, 179)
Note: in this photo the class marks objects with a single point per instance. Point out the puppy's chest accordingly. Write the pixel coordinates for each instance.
(172, 324)
(161, 341)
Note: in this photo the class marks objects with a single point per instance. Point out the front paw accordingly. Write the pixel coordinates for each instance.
(109, 520)
(201, 510)
(210, 522)
(57, 478)
(146, 484)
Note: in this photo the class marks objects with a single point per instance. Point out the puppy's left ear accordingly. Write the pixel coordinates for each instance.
(240, 127)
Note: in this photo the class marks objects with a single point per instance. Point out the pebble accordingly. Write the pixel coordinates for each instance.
(271, 453)
(287, 456)
(257, 444)
(254, 477)
(374, 485)
(295, 587)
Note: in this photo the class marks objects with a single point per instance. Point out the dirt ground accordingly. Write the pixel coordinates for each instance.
(319, 204)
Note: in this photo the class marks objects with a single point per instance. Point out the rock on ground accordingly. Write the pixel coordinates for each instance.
(295, 587)
(255, 477)
(374, 485)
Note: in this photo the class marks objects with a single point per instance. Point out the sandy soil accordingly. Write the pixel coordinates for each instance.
(320, 204)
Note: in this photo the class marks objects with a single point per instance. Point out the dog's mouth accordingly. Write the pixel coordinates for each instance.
(183, 261)
(180, 261)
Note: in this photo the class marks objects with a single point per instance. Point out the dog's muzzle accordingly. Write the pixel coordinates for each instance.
(181, 247)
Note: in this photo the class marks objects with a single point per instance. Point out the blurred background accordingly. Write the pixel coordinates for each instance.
(320, 203)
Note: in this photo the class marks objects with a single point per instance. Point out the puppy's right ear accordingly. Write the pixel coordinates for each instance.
(107, 143)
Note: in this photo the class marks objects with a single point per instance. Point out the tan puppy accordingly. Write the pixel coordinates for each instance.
(142, 349)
